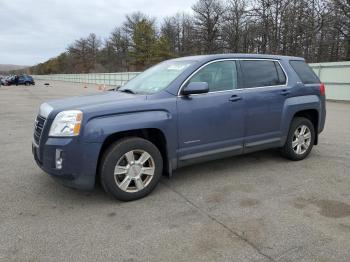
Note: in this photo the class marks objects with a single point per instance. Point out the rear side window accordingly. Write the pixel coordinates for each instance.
(305, 73)
(262, 73)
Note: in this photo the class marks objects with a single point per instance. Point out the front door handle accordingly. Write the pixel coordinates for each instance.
(235, 98)
(285, 92)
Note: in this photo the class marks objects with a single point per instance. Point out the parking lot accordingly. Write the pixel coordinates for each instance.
(256, 207)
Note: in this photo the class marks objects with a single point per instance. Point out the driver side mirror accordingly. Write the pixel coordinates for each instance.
(196, 88)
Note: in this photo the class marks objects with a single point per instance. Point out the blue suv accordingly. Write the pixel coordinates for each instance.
(25, 80)
(180, 112)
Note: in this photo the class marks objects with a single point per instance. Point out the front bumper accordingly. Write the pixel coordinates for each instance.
(79, 161)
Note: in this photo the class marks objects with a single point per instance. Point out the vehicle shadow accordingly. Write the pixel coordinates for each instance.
(220, 167)
(53, 191)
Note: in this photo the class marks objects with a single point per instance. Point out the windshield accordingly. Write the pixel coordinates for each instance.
(156, 78)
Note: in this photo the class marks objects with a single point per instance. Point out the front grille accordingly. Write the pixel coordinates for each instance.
(38, 129)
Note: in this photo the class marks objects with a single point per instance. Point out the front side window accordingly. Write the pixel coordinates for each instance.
(157, 77)
(259, 73)
(220, 76)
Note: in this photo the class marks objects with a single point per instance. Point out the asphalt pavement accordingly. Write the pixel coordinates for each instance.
(255, 207)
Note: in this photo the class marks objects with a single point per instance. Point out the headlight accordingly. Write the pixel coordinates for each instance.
(66, 123)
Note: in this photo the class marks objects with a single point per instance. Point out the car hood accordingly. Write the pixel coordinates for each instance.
(86, 101)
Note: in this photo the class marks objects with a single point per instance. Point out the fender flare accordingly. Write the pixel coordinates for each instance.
(98, 129)
(294, 105)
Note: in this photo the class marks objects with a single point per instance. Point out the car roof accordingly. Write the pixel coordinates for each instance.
(205, 58)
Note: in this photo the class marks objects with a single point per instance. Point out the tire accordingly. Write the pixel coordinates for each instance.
(133, 179)
(299, 148)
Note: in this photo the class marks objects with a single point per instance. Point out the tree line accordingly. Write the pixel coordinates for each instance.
(318, 30)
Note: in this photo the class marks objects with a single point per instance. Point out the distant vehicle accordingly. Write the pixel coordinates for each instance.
(25, 80)
(19, 80)
(11, 80)
(180, 112)
(6, 81)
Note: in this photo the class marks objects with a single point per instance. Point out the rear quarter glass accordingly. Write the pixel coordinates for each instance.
(304, 71)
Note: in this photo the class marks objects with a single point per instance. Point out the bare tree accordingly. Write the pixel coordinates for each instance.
(208, 14)
(342, 7)
(119, 43)
(93, 47)
(233, 25)
(170, 29)
(180, 31)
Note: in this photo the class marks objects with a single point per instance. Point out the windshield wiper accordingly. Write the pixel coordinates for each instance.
(127, 91)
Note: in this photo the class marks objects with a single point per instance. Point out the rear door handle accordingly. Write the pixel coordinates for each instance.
(285, 92)
(235, 98)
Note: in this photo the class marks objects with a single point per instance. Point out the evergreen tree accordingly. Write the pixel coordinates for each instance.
(144, 43)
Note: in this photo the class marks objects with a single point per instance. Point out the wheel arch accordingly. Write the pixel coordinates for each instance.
(313, 116)
(154, 135)
(301, 106)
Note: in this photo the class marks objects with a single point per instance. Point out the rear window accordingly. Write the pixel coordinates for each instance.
(305, 73)
(262, 73)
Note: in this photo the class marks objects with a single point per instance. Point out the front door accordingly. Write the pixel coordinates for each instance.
(211, 125)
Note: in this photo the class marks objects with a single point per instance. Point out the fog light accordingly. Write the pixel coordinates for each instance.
(58, 159)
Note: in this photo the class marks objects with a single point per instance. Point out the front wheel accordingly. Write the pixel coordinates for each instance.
(300, 139)
(131, 168)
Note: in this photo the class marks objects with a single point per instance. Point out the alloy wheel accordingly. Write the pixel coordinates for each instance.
(134, 171)
(301, 139)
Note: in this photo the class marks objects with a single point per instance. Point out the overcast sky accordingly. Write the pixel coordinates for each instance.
(34, 31)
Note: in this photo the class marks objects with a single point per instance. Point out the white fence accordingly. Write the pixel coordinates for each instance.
(110, 79)
(335, 75)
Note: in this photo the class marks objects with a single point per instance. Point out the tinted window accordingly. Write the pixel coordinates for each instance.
(262, 73)
(220, 76)
(281, 76)
(305, 73)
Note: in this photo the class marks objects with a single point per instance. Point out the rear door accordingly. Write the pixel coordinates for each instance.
(264, 94)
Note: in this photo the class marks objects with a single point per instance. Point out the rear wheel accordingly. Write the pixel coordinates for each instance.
(131, 168)
(300, 139)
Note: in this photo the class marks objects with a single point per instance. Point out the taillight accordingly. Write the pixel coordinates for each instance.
(322, 89)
